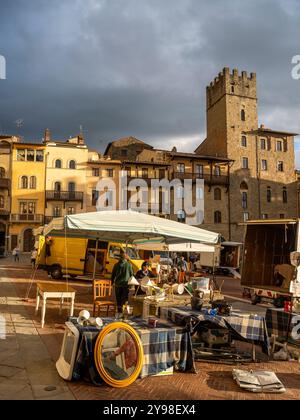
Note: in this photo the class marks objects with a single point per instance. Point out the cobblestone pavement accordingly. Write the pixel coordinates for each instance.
(213, 381)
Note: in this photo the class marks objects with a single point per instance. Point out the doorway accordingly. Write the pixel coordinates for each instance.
(28, 240)
(2, 239)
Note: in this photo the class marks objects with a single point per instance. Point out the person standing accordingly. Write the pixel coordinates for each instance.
(182, 268)
(121, 274)
(16, 254)
(34, 255)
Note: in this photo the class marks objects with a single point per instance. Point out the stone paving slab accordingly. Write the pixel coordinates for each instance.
(26, 368)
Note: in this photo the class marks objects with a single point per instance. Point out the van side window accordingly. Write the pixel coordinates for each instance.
(114, 252)
(101, 245)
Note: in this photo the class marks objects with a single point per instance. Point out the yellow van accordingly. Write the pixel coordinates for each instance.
(76, 256)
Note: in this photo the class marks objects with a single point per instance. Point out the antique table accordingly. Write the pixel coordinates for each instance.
(46, 291)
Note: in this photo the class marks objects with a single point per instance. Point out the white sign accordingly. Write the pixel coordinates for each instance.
(295, 289)
(296, 328)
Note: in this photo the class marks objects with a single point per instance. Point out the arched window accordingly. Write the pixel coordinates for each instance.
(2, 202)
(243, 115)
(244, 186)
(284, 195)
(2, 173)
(245, 200)
(218, 194)
(32, 183)
(58, 164)
(72, 164)
(218, 217)
(72, 187)
(24, 182)
(57, 186)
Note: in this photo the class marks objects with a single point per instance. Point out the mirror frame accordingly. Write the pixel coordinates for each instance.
(98, 356)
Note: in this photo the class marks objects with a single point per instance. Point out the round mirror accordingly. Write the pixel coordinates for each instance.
(119, 355)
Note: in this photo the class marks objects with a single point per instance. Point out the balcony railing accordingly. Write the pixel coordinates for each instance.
(64, 196)
(31, 218)
(5, 183)
(208, 178)
(148, 179)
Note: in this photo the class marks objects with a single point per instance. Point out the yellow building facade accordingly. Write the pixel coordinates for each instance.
(27, 194)
(66, 170)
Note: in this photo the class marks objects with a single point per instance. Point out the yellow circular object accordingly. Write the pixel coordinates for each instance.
(98, 355)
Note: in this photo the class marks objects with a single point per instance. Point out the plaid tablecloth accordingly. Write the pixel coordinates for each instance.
(250, 328)
(283, 325)
(164, 347)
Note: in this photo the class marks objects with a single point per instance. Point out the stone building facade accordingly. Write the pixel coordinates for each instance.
(262, 177)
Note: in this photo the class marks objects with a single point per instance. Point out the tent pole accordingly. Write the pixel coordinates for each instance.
(95, 260)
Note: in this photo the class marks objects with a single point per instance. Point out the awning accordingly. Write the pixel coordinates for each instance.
(129, 226)
(184, 247)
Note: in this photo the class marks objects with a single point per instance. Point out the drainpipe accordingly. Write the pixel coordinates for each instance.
(258, 178)
(229, 205)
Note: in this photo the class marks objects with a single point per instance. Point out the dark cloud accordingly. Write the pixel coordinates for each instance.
(140, 67)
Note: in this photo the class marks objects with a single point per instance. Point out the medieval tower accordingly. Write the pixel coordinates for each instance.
(262, 180)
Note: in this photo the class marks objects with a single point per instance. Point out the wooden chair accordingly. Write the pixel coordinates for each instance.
(103, 295)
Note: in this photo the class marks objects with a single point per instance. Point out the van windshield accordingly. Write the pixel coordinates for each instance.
(133, 254)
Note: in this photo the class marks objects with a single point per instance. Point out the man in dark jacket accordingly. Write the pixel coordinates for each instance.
(122, 272)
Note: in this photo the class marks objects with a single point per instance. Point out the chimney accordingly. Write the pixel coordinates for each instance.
(47, 137)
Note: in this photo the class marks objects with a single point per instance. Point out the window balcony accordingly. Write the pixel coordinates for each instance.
(64, 196)
(208, 178)
(5, 183)
(27, 218)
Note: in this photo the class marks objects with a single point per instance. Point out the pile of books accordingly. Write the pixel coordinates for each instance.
(259, 381)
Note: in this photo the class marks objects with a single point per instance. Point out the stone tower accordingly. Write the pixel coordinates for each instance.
(231, 111)
(263, 172)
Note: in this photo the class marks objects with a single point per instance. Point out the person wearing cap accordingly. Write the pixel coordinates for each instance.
(144, 272)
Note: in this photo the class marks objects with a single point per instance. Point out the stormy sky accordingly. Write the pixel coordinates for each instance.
(140, 67)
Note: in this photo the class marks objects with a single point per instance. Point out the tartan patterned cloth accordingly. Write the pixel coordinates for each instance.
(164, 347)
(250, 328)
(281, 323)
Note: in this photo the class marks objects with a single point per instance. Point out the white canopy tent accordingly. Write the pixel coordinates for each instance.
(130, 227)
(181, 247)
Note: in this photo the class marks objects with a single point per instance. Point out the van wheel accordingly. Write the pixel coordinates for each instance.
(56, 273)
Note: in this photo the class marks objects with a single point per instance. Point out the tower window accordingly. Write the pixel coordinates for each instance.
(243, 115)
(280, 166)
(245, 200)
(279, 146)
(218, 217)
(284, 195)
(244, 141)
(269, 195)
(264, 165)
(218, 194)
(245, 163)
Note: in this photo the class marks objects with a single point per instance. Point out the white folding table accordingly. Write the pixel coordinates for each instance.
(53, 291)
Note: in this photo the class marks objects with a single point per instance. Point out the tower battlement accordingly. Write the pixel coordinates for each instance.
(231, 83)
